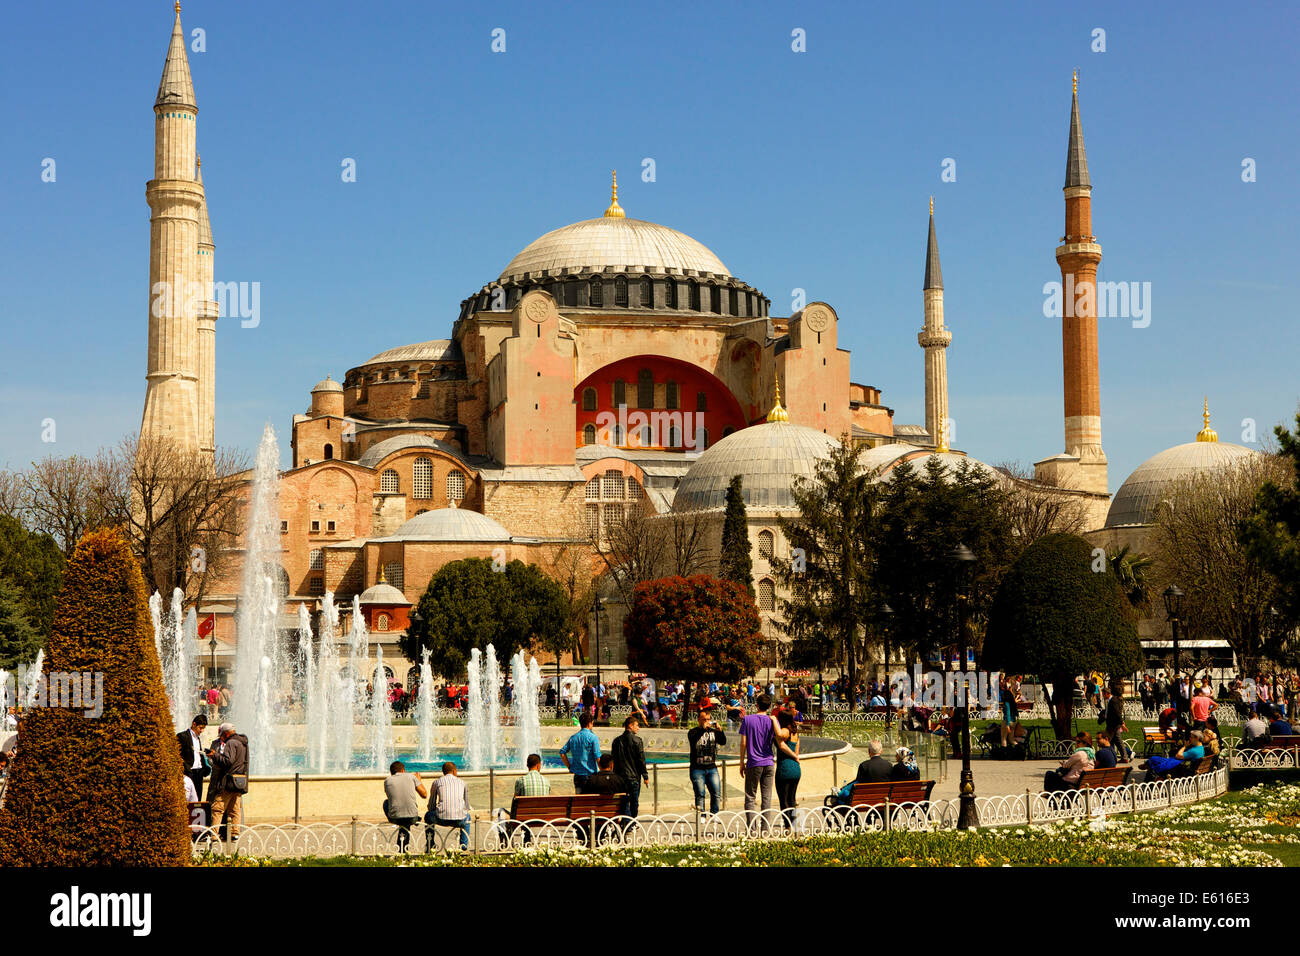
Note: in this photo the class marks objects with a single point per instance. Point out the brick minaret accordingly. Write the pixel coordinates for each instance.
(1078, 256)
(171, 404)
(934, 339)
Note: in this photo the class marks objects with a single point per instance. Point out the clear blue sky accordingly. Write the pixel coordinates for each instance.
(807, 170)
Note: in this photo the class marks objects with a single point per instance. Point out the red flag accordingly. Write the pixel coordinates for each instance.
(208, 624)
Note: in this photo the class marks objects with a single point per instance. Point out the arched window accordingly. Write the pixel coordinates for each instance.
(422, 479)
(381, 624)
(620, 291)
(735, 302)
(618, 436)
(329, 452)
(589, 434)
(612, 486)
(644, 436)
(588, 399)
(455, 485)
(593, 488)
(394, 574)
(596, 292)
(674, 436)
(704, 438)
(670, 395)
(412, 677)
(570, 293)
(693, 289)
(766, 595)
(317, 560)
(620, 392)
(647, 293)
(701, 401)
(670, 293)
(389, 483)
(715, 298)
(766, 544)
(610, 496)
(645, 389)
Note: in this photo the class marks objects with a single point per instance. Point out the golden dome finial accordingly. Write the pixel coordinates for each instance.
(931, 205)
(778, 413)
(198, 160)
(615, 211)
(1207, 433)
(178, 6)
(1075, 91)
(381, 576)
(942, 446)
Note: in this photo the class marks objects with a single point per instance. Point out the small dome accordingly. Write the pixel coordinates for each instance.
(432, 351)
(614, 241)
(1153, 481)
(383, 593)
(768, 457)
(377, 452)
(329, 385)
(451, 524)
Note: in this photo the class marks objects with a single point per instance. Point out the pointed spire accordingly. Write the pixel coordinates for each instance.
(615, 211)
(176, 88)
(205, 227)
(1207, 433)
(933, 274)
(778, 413)
(1076, 160)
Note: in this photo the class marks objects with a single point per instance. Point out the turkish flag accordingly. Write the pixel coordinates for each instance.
(208, 624)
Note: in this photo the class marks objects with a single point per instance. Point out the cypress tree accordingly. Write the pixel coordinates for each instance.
(102, 789)
(736, 564)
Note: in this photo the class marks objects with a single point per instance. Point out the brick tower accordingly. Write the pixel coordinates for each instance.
(172, 405)
(1083, 466)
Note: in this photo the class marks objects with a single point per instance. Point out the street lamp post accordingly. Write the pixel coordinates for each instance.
(597, 608)
(1174, 611)
(212, 649)
(964, 560)
(888, 613)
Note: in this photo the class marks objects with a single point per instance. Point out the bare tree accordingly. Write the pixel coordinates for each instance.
(1035, 510)
(1195, 545)
(636, 548)
(181, 510)
(13, 495)
(66, 496)
(572, 561)
(689, 547)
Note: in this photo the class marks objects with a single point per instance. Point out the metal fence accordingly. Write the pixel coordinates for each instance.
(359, 838)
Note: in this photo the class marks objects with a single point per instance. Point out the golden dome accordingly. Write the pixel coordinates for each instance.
(1207, 433)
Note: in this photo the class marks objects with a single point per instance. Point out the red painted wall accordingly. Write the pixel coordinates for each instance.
(722, 411)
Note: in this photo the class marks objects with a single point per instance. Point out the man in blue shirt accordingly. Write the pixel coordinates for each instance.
(581, 753)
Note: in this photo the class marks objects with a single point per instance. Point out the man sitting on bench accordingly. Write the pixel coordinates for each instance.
(1158, 768)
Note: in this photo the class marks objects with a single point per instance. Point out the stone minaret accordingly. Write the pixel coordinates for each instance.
(207, 326)
(1078, 256)
(171, 404)
(934, 339)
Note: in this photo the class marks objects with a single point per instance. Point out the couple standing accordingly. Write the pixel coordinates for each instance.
(763, 735)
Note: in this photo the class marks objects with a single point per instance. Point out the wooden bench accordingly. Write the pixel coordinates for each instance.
(1153, 737)
(895, 791)
(566, 807)
(1280, 742)
(1105, 777)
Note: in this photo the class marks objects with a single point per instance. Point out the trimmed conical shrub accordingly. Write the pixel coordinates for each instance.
(105, 790)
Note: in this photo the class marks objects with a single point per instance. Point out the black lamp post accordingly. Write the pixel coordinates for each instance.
(597, 607)
(212, 650)
(964, 560)
(1174, 611)
(887, 614)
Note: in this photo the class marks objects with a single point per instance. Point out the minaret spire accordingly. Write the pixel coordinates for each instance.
(934, 339)
(176, 89)
(1076, 158)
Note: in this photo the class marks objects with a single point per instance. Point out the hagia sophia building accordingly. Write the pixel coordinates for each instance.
(612, 362)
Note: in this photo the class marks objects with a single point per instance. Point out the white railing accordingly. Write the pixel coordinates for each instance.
(359, 838)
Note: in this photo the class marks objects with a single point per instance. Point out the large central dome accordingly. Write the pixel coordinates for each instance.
(626, 244)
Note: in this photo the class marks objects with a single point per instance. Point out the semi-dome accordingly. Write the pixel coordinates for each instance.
(451, 524)
(626, 244)
(1155, 479)
(328, 385)
(432, 351)
(377, 452)
(768, 457)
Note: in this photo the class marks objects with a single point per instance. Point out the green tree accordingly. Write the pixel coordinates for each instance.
(829, 574)
(736, 564)
(924, 515)
(19, 641)
(470, 604)
(1057, 617)
(33, 563)
(1271, 534)
(699, 628)
(101, 790)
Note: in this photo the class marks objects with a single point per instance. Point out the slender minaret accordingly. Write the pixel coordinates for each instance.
(934, 339)
(171, 403)
(1078, 256)
(207, 326)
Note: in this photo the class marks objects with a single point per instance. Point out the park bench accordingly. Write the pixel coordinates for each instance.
(1105, 777)
(1280, 742)
(1153, 737)
(895, 791)
(551, 809)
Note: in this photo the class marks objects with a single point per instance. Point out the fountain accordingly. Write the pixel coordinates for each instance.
(34, 678)
(527, 680)
(476, 732)
(174, 636)
(426, 713)
(492, 697)
(258, 652)
(381, 715)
